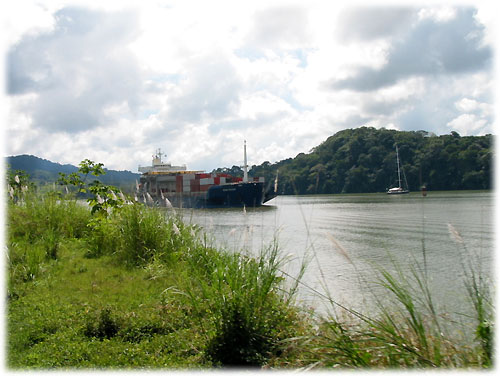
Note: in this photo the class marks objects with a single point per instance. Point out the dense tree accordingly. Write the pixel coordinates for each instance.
(234, 171)
(364, 160)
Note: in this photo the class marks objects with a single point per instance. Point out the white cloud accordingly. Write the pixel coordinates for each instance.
(280, 27)
(373, 22)
(439, 13)
(209, 89)
(473, 106)
(474, 118)
(426, 49)
(262, 104)
(467, 124)
(467, 105)
(115, 80)
(78, 69)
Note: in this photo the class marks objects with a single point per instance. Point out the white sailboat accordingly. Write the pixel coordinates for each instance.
(399, 189)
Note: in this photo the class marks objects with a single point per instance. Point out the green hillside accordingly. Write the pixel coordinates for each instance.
(43, 172)
(364, 160)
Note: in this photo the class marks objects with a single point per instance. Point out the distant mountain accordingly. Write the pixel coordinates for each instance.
(42, 171)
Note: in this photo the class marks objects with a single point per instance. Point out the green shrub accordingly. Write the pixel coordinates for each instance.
(251, 312)
(105, 325)
(103, 237)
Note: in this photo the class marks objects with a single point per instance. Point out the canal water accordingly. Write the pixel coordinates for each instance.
(344, 240)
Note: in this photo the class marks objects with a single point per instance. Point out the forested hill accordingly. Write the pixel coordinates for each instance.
(42, 171)
(364, 160)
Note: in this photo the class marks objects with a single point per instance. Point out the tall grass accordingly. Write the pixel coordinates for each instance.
(405, 330)
(37, 225)
(480, 295)
(149, 233)
(251, 312)
(136, 235)
(39, 214)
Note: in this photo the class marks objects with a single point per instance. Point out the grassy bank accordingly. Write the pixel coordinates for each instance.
(138, 288)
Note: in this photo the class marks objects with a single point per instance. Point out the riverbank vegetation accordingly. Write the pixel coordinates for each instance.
(363, 160)
(117, 285)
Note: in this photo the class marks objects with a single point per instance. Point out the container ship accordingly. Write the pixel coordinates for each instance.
(163, 184)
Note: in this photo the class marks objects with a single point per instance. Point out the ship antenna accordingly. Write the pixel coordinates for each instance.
(159, 154)
(245, 166)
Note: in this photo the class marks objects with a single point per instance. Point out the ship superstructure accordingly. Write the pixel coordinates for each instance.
(158, 167)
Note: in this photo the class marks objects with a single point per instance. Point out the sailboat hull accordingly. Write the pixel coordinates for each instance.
(397, 191)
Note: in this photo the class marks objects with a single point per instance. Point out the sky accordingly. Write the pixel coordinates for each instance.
(112, 81)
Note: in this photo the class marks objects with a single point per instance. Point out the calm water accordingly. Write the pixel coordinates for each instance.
(344, 238)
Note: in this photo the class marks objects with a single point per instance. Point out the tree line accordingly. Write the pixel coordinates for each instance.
(42, 172)
(363, 160)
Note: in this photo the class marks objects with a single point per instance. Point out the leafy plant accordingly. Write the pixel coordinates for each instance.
(105, 325)
(18, 185)
(104, 197)
(86, 167)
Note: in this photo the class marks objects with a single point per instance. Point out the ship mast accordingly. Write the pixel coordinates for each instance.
(245, 166)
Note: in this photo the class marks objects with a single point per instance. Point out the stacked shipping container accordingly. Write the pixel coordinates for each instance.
(201, 182)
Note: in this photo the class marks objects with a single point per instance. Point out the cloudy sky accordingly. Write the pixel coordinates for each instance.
(114, 80)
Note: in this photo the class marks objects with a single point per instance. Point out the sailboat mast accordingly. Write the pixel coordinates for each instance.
(399, 172)
(399, 189)
(245, 166)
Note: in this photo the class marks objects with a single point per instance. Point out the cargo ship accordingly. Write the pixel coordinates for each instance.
(163, 184)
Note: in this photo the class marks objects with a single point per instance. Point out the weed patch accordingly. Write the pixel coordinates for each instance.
(103, 325)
